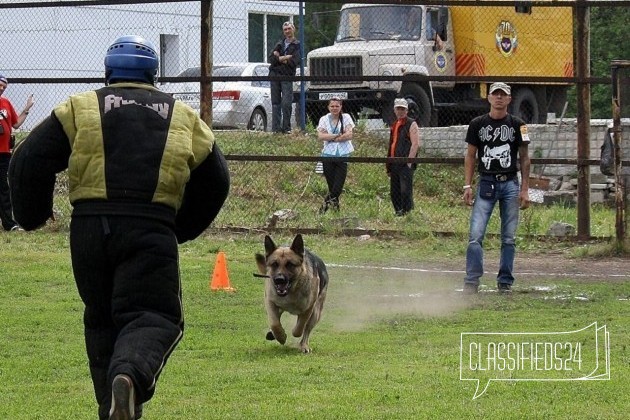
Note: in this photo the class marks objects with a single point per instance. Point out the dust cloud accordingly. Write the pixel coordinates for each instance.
(358, 297)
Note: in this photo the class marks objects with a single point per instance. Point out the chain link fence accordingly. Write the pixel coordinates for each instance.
(441, 56)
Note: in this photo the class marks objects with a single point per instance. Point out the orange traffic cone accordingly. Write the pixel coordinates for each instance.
(220, 279)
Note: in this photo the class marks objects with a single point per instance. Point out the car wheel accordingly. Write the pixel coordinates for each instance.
(258, 121)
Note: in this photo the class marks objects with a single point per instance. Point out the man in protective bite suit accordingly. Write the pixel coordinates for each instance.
(144, 175)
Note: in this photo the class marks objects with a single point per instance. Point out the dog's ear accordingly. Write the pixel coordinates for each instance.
(261, 262)
(298, 245)
(269, 245)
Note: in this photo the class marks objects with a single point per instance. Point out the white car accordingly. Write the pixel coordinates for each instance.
(242, 104)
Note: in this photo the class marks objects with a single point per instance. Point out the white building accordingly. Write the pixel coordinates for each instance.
(70, 42)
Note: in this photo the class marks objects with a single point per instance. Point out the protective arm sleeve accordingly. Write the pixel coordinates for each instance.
(32, 172)
(204, 196)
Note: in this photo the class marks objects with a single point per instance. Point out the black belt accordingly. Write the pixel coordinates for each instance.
(499, 177)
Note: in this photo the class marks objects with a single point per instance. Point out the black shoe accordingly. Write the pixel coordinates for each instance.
(123, 399)
(471, 289)
(504, 288)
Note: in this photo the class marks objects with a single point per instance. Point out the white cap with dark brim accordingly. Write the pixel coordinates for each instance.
(500, 86)
(401, 103)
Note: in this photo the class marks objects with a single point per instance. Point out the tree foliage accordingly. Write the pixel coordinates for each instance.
(609, 29)
(321, 20)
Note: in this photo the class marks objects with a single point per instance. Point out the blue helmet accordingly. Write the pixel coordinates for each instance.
(131, 58)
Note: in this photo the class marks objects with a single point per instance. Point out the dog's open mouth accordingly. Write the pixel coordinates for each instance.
(282, 286)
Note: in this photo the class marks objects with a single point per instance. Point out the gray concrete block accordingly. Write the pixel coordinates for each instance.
(598, 196)
(561, 229)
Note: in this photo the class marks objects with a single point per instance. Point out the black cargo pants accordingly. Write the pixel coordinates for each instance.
(127, 274)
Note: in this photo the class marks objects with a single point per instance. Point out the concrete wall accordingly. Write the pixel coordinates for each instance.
(550, 141)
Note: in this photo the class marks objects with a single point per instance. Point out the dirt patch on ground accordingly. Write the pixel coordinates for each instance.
(591, 267)
(556, 264)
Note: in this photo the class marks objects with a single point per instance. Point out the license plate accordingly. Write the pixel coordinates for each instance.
(326, 96)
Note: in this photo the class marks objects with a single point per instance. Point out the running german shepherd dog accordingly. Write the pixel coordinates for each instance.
(296, 282)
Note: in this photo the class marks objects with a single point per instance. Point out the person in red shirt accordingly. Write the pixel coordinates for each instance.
(9, 119)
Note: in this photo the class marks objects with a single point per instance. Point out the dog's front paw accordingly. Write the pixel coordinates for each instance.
(305, 348)
(279, 335)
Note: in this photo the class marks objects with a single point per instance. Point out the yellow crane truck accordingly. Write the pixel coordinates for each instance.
(419, 40)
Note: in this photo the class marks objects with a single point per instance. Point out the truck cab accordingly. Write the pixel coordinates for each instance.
(377, 42)
(381, 40)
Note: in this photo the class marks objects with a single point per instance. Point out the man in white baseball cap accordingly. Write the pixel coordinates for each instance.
(404, 141)
(498, 147)
(500, 86)
(401, 103)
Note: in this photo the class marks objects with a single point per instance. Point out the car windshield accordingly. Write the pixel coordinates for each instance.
(217, 71)
(222, 71)
(380, 22)
(191, 72)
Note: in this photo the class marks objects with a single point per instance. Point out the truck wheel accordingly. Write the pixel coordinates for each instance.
(558, 99)
(524, 105)
(388, 114)
(420, 97)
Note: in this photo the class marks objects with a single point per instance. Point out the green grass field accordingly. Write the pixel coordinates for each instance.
(388, 346)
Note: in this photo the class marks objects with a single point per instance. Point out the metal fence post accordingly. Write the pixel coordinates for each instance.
(582, 22)
(206, 61)
(619, 77)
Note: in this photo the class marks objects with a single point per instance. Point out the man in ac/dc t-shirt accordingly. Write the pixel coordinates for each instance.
(495, 141)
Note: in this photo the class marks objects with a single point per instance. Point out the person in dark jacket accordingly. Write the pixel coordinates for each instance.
(144, 175)
(283, 61)
(404, 141)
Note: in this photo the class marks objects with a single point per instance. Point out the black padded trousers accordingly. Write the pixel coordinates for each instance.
(127, 274)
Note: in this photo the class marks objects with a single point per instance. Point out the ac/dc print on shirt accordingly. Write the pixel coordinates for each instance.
(497, 142)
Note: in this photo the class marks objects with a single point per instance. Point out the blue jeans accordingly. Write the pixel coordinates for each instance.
(506, 193)
(281, 100)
